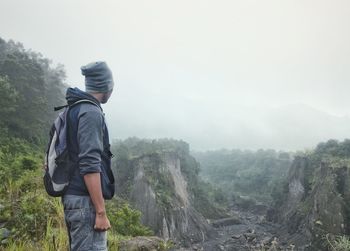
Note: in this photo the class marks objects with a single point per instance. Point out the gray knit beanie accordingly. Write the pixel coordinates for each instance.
(98, 77)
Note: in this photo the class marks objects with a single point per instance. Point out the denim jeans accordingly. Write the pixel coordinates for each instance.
(79, 214)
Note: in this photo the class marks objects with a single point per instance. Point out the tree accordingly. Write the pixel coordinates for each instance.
(31, 89)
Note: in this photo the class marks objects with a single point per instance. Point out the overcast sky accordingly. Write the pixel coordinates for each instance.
(223, 73)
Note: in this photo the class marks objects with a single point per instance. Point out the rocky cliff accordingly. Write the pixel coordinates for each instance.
(316, 205)
(156, 182)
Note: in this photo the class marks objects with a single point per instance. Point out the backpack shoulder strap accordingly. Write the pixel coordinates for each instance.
(85, 101)
(77, 102)
(57, 108)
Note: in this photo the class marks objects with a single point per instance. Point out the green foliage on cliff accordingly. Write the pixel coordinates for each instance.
(245, 173)
(336, 154)
(332, 154)
(135, 147)
(132, 149)
(208, 199)
(333, 148)
(323, 205)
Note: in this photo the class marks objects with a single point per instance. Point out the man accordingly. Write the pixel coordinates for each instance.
(88, 141)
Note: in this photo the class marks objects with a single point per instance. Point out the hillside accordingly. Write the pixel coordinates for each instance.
(315, 209)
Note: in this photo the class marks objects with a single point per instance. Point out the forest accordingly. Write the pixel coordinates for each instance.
(256, 174)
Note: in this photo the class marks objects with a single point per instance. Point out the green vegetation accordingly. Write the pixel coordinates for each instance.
(134, 147)
(35, 220)
(254, 175)
(324, 208)
(31, 87)
(209, 200)
(338, 243)
(125, 220)
(333, 155)
(26, 210)
(131, 150)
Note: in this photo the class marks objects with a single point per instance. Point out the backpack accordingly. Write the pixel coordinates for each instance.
(59, 167)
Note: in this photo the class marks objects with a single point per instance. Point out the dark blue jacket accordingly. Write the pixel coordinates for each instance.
(88, 143)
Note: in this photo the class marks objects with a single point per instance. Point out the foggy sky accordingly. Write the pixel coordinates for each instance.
(224, 73)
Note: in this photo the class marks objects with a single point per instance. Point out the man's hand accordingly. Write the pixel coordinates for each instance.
(93, 184)
(101, 222)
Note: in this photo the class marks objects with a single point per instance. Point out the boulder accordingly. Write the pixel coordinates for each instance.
(4, 233)
(143, 243)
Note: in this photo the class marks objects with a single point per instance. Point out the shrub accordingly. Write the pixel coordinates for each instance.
(338, 243)
(125, 220)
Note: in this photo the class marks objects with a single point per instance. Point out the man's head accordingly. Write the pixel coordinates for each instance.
(98, 80)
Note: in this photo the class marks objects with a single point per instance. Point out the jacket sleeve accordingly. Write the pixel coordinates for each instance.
(90, 141)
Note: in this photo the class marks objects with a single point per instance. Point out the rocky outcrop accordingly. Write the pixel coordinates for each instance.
(143, 243)
(4, 235)
(317, 203)
(296, 185)
(158, 188)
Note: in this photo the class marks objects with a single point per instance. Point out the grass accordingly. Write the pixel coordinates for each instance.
(55, 237)
(338, 243)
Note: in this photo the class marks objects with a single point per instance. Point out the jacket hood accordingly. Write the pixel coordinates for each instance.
(75, 94)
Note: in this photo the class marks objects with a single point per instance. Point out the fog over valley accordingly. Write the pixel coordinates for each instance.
(229, 74)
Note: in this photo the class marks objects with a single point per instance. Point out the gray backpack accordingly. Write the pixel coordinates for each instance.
(59, 167)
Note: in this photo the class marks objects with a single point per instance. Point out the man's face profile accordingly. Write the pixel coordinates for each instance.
(106, 96)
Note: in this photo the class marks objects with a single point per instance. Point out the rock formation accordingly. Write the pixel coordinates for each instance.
(317, 203)
(157, 186)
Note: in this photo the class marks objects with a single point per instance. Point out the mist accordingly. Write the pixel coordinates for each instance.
(217, 74)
